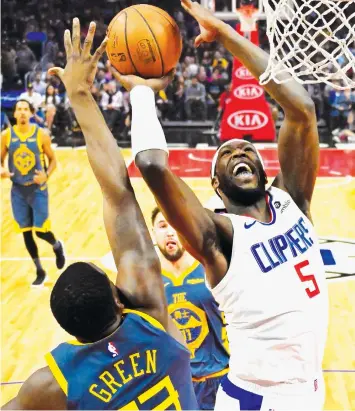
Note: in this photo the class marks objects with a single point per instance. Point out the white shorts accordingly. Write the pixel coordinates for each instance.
(230, 397)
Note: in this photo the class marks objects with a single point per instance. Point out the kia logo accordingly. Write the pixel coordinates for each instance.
(248, 92)
(243, 73)
(247, 120)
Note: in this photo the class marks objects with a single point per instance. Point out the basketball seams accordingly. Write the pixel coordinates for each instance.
(113, 22)
(174, 26)
(156, 42)
(127, 45)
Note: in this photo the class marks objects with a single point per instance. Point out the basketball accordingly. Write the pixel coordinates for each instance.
(143, 40)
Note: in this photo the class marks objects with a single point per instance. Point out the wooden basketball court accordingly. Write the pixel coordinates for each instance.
(28, 329)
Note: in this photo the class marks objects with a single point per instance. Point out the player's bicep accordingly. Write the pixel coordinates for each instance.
(47, 146)
(138, 266)
(298, 149)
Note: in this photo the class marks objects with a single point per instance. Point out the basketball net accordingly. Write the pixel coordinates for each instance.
(247, 15)
(312, 41)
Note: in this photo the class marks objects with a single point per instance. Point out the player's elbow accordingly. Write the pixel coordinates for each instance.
(152, 163)
(309, 107)
(304, 111)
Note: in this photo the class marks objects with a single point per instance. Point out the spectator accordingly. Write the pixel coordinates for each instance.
(195, 100)
(179, 101)
(49, 105)
(191, 67)
(225, 97)
(315, 92)
(112, 104)
(216, 84)
(164, 104)
(39, 86)
(33, 97)
(220, 61)
(95, 91)
(341, 105)
(8, 62)
(25, 60)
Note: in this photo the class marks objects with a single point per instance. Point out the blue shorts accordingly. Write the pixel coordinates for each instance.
(30, 207)
(206, 392)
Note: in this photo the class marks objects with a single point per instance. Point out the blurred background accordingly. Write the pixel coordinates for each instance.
(190, 108)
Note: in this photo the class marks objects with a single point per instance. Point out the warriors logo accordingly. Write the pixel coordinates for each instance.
(192, 323)
(24, 159)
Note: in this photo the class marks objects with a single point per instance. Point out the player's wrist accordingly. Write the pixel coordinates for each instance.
(223, 30)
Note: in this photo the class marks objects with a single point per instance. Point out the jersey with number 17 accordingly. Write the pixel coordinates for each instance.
(275, 298)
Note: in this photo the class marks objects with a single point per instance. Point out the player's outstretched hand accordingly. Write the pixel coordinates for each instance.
(209, 24)
(130, 80)
(79, 73)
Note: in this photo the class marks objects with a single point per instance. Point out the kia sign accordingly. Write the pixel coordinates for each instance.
(248, 92)
(247, 120)
(243, 73)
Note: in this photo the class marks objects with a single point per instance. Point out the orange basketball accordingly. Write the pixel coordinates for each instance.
(143, 40)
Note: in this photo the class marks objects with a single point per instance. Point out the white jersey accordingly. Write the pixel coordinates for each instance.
(275, 299)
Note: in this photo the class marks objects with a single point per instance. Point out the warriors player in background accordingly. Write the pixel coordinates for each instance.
(28, 146)
(194, 311)
(262, 258)
(120, 358)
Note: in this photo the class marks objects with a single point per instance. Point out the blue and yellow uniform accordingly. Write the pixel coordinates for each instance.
(29, 201)
(196, 314)
(138, 367)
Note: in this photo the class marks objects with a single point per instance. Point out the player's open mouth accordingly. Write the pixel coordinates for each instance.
(171, 245)
(242, 170)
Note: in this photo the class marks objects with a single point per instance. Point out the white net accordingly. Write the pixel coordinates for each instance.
(313, 40)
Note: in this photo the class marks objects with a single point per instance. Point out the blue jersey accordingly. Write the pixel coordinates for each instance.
(138, 367)
(25, 154)
(195, 312)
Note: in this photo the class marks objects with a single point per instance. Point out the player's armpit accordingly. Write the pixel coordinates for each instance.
(298, 150)
(197, 230)
(39, 392)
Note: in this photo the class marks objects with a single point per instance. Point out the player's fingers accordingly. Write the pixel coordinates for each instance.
(100, 51)
(76, 36)
(198, 40)
(170, 76)
(67, 44)
(89, 39)
(56, 71)
(116, 74)
(186, 4)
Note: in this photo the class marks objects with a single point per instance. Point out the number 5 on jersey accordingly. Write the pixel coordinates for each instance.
(307, 277)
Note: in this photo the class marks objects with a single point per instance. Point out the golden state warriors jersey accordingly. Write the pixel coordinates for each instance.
(25, 154)
(138, 367)
(196, 314)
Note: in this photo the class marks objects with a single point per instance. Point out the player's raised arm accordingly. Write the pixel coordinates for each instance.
(197, 228)
(298, 141)
(136, 261)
